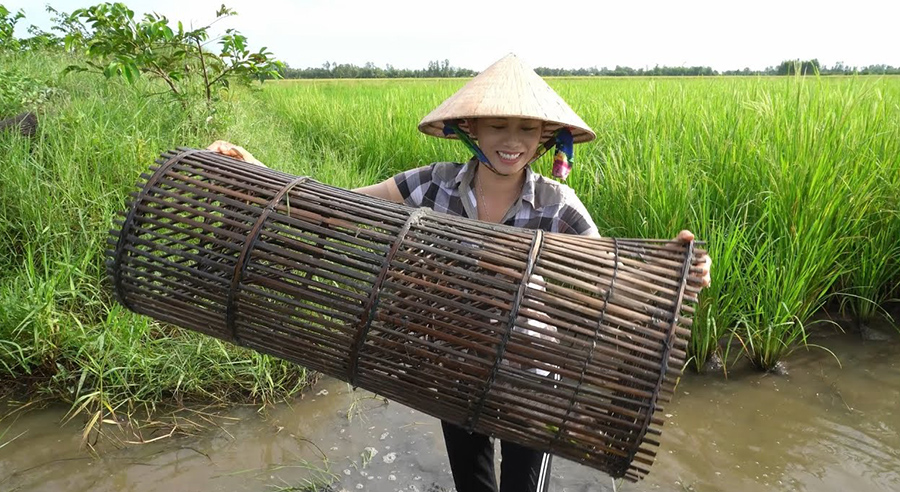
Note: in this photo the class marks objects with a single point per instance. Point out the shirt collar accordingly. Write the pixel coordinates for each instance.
(467, 173)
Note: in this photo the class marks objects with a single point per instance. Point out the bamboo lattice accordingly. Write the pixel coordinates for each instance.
(562, 343)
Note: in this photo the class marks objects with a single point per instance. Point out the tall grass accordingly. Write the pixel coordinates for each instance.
(792, 181)
(60, 333)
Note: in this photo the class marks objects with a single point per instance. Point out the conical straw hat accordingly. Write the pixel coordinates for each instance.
(508, 88)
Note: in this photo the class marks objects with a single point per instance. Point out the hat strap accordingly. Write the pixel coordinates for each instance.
(453, 127)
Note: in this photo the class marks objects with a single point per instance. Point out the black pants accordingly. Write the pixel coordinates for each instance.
(472, 462)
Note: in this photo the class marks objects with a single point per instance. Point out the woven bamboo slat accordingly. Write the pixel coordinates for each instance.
(563, 343)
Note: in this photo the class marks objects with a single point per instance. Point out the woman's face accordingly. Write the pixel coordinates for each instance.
(509, 143)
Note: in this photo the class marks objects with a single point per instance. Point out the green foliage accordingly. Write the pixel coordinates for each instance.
(72, 33)
(797, 67)
(121, 46)
(8, 22)
(39, 39)
(19, 92)
(61, 335)
(330, 70)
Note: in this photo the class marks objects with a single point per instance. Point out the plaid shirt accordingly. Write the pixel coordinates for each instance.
(544, 204)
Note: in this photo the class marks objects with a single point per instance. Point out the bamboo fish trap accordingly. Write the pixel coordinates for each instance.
(561, 343)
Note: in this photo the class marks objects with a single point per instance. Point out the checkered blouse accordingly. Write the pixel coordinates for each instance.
(544, 204)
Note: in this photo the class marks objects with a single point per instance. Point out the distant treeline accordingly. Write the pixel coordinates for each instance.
(443, 69)
(369, 71)
(787, 67)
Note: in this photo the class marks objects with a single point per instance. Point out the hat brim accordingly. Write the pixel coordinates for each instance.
(436, 128)
(507, 89)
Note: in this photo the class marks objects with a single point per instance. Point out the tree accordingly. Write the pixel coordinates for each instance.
(793, 67)
(120, 45)
(8, 22)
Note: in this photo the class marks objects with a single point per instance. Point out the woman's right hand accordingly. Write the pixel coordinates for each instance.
(232, 150)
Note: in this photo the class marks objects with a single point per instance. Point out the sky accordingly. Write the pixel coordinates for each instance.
(472, 34)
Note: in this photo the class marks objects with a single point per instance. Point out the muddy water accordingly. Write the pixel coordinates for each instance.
(822, 427)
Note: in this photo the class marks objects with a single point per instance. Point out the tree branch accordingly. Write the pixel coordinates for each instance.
(203, 67)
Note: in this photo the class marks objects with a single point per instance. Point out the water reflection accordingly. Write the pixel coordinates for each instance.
(821, 428)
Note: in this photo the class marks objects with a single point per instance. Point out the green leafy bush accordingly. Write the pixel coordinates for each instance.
(18, 92)
(8, 22)
(121, 46)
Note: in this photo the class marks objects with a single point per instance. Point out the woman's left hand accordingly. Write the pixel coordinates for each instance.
(232, 150)
(705, 263)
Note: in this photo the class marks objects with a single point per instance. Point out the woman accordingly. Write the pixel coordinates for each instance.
(507, 116)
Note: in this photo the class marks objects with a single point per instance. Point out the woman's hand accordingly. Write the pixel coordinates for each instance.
(705, 263)
(232, 150)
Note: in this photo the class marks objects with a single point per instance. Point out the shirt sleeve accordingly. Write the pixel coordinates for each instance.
(575, 218)
(413, 184)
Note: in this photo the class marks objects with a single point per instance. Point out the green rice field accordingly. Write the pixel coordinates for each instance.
(793, 182)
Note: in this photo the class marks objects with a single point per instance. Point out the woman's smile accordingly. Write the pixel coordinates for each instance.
(509, 157)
